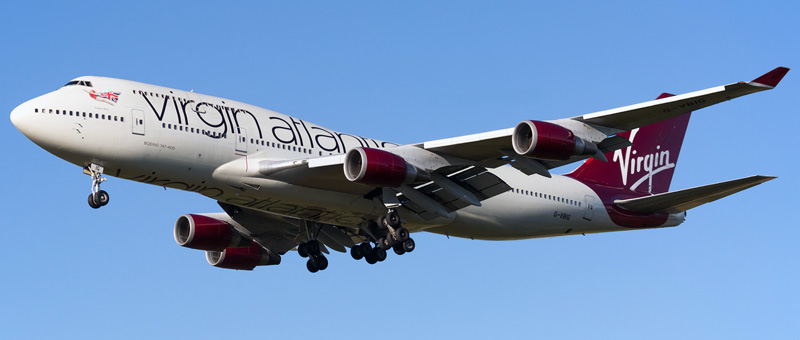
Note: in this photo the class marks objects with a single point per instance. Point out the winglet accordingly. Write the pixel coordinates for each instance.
(772, 78)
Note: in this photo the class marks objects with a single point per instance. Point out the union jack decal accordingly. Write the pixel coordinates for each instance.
(108, 97)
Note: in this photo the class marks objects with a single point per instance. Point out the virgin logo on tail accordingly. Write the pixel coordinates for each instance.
(648, 165)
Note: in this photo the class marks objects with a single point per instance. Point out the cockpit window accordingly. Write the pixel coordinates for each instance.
(80, 83)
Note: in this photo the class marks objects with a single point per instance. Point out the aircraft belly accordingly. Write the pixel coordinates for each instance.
(535, 207)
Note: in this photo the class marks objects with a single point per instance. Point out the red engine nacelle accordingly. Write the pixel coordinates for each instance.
(207, 233)
(243, 258)
(377, 167)
(544, 140)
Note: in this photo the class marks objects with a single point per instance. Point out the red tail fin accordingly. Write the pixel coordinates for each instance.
(648, 165)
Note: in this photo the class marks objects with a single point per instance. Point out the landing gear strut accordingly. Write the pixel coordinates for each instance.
(312, 248)
(97, 198)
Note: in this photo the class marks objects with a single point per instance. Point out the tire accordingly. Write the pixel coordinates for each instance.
(401, 234)
(311, 267)
(312, 247)
(302, 249)
(398, 249)
(101, 198)
(92, 203)
(380, 254)
(356, 253)
(383, 243)
(321, 262)
(371, 258)
(365, 249)
(392, 218)
(409, 245)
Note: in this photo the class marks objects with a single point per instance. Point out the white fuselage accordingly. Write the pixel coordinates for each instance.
(176, 139)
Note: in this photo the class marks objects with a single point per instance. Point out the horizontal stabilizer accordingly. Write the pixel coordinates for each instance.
(678, 201)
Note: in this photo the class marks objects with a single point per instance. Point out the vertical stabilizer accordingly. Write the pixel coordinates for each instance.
(648, 165)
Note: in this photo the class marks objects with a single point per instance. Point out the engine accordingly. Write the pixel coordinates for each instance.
(207, 233)
(243, 258)
(379, 168)
(548, 141)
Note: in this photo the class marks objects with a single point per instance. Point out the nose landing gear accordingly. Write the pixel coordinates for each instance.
(97, 198)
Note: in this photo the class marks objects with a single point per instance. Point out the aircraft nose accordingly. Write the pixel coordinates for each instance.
(16, 116)
(20, 117)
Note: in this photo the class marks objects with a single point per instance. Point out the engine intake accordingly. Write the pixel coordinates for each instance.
(543, 140)
(379, 168)
(207, 233)
(243, 258)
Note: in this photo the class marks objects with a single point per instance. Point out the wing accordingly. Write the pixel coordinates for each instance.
(633, 116)
(596, 127)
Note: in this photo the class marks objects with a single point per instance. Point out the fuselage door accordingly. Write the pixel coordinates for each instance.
(589, 213)
(137, 122)
(241, 141)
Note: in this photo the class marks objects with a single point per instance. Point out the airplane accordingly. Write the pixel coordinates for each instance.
(285, 184)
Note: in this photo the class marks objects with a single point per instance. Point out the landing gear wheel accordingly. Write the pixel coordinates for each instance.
(101, 198)
(409, 245)
(302, 249)
(398, 249)
(321, 262)
(370, 257)
(383, 243)
(365, 249)
(392, 219)
(356, 253)
(380, 254)
(312, 247)
(92, 202)
(401, 234)
(311, 266)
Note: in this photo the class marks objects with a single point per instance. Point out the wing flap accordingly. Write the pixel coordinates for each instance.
(682, 200)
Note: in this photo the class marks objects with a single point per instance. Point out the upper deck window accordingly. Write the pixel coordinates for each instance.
(80, 83)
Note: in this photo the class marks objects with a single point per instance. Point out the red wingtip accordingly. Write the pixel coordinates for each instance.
(772, 78)
(665, 95)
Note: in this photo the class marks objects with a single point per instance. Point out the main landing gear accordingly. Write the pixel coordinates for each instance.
(312, 248)
(385, 233)
(97, 198)
(393, 236)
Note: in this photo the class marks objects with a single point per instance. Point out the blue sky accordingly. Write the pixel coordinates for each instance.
(409, 72)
